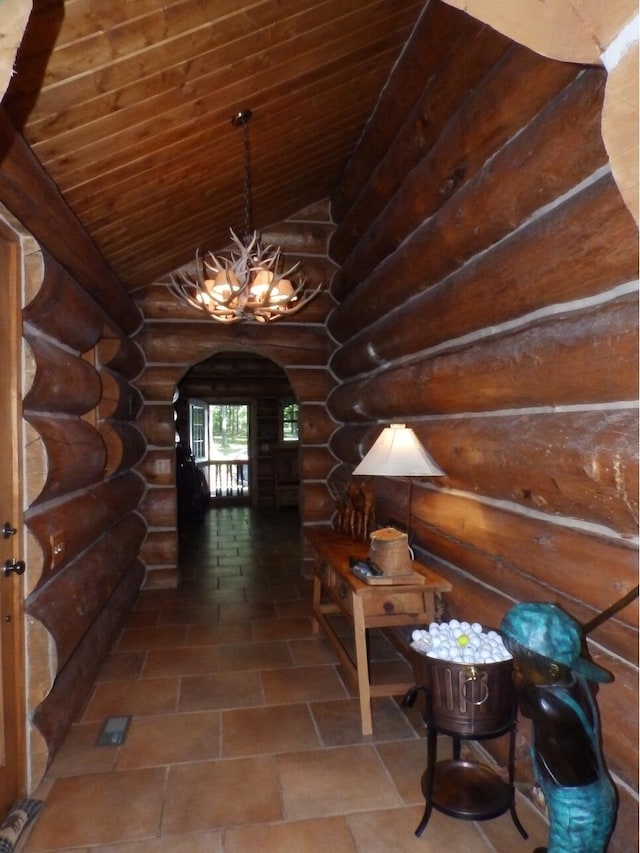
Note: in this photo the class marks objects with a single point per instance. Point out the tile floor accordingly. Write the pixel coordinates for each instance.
(243, 736)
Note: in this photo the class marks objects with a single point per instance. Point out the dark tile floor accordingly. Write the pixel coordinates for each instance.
(243, 734)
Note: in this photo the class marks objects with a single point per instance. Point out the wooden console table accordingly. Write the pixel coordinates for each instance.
(337, 590)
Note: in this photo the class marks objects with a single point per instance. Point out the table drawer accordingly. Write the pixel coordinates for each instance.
(394, 603)
(334, 584)
(341, 592)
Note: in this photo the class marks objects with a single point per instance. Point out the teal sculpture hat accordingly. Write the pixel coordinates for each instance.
(547, 630)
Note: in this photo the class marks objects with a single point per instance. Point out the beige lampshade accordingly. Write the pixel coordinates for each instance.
(397, 452)
(261, 283)
(222, 286)
(283, 291)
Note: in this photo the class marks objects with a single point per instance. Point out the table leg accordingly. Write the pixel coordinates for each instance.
(362, 665)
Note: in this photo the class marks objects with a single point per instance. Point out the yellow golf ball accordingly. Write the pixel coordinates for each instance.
(463, 640)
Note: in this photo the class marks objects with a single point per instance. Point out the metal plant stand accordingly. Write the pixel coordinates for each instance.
(463, 789)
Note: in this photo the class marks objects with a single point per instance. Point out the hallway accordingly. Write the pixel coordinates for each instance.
(243, 736)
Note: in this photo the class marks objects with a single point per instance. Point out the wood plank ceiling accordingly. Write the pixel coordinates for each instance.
(127, 105)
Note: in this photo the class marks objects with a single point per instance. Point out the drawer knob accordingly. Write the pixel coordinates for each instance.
(388, 607)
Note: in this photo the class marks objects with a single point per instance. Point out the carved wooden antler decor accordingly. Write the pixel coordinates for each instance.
(355, 508)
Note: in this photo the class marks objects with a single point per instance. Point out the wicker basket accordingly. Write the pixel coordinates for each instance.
(389, 550)
(464, 698)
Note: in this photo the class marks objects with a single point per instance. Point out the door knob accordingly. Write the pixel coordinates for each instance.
(17, 566)
(8, 530)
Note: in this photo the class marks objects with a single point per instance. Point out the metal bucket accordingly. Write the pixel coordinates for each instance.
(466, 699)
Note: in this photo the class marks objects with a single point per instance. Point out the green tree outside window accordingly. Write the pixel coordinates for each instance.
(289, 421)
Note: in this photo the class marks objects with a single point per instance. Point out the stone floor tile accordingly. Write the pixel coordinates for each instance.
(121, 698)
(188, 842)
(280, 629)
(254, 610)
(102, 808)
(295, 609)
(79, 753)
(386, 830)
(170, 739)
(334, 781)
(217, 633)
(405, 761)
(220, 690)
(339, 721)
(301, 684)
(215, 794)
(155, 637)
(181, 661)
(312, 652)
(122, 665)
(238, 656)
(268, 730)
(325, 835)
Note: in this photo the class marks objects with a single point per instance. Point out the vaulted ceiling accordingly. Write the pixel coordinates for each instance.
(128, 105)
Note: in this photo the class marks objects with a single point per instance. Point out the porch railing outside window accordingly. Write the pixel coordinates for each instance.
(219, 434)
(227, 478)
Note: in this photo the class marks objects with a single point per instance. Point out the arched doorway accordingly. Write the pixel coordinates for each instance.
(237, 412)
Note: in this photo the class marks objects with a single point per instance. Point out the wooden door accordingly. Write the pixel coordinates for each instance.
(11, 539)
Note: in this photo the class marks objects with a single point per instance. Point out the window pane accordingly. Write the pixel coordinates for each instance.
(198, 431)
(289, 422)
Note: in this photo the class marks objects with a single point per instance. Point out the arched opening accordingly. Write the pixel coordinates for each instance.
(236, 421)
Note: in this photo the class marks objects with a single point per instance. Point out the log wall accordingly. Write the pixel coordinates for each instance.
(82, 529)
(175, 337)
(488, 298)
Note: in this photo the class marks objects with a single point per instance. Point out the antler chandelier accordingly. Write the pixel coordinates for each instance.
(249, 283)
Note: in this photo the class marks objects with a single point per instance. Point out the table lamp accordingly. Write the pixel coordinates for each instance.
(397, 452)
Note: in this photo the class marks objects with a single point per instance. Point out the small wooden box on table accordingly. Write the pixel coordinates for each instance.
(337, 590)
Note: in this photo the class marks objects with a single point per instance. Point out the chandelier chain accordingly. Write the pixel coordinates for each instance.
(248, 193)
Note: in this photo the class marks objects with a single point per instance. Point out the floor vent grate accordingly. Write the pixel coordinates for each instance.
(113, 731)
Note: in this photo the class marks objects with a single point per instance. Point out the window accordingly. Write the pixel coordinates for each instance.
(228, 431)
(198, 430)
(289, 421)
